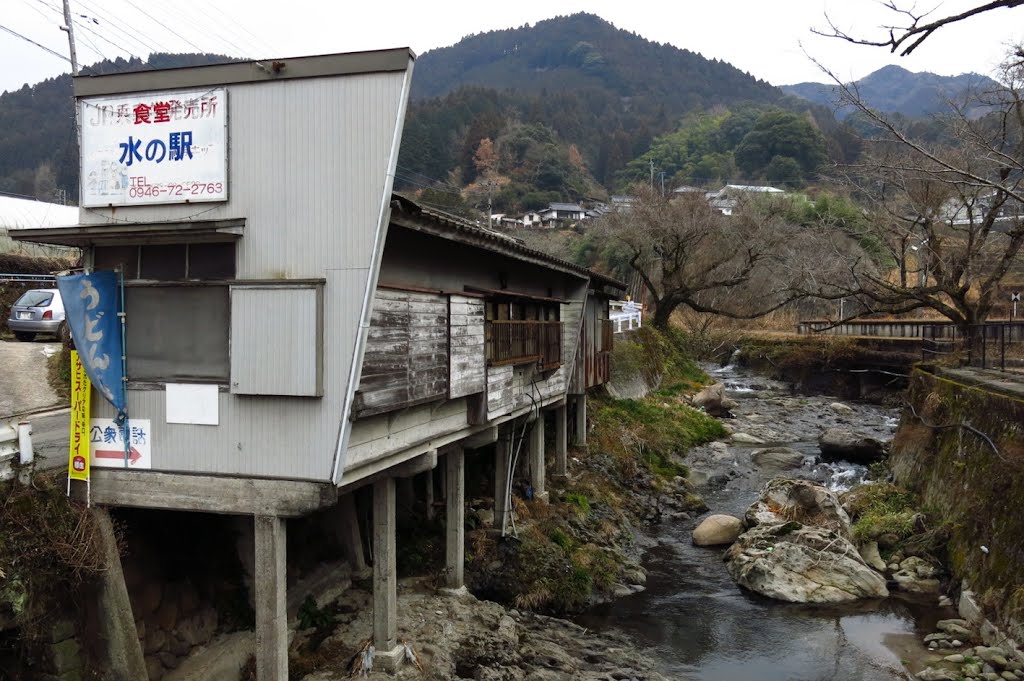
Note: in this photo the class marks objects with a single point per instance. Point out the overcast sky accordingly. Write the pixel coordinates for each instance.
(761, 37)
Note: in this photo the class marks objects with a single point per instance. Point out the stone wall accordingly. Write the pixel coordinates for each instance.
(961, 445)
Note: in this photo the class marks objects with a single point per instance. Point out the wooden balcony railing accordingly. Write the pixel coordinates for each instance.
(524, 341)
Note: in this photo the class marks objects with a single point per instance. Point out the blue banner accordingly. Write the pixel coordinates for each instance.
(91, 303)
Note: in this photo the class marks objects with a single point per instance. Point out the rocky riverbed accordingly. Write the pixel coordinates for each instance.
(701, 625)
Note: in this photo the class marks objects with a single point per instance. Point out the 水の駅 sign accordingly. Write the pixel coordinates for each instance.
(158, 147)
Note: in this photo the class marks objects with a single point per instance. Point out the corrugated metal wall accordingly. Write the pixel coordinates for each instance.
(309, 168)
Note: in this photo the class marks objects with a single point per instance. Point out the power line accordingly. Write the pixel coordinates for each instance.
(169, 29)
(90, 29)
(123, 29)
(27, 39)
(247, 51)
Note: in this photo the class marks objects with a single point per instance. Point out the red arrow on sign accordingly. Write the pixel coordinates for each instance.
(133, 455)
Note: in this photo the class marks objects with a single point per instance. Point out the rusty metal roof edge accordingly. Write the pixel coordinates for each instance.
(463, 225)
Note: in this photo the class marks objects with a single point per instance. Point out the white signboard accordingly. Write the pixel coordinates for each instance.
(195, 404)
(106, 444)
(158, 147)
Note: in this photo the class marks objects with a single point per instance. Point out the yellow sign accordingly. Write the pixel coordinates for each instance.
(81, 388)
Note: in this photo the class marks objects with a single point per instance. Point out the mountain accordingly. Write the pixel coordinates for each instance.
(584, 52)
(605, 92)
(893, 89)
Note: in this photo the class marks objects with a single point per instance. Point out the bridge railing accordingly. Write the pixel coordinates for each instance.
(994, 345)
(625, 315)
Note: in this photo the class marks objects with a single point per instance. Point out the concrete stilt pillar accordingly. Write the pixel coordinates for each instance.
(271, 601)
(121, 653)
(502, 459)
(385, 584)
(537, 472)
(349, 534)
(581, 419)
(455, 517)
(428, 478)
(561, 440)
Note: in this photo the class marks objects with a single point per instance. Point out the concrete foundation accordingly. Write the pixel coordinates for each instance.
(455, 518)
(428, 481)
(271, 601)
(122, 658)
(561, 440)
(502, 462)
(385, 585)
(581, 420)
(537, 473)
(389, 660)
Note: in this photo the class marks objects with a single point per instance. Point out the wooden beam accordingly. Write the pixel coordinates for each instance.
(172, 491)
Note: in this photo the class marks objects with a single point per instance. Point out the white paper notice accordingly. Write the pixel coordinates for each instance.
(193, 403)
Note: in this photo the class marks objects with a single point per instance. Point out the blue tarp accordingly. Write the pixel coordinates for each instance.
(91, 304)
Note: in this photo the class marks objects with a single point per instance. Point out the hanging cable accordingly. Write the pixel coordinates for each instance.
(29, 40)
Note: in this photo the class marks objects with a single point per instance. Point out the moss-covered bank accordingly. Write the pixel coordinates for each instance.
(580, 548)
(960, 446)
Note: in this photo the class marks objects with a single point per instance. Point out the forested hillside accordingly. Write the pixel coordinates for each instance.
(570, 102)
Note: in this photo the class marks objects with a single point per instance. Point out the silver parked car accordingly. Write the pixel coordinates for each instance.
(38, 311)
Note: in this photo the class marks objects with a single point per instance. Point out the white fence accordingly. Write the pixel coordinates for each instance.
(15, 443)
(625, 315)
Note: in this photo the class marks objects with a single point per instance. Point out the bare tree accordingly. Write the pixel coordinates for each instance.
(915, 28)
(688, 254)
(946, 216)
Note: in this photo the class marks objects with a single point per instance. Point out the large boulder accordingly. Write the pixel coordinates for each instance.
(713, 400)
(802, 564)
(844, 443)
(716, 530)
(777, 458)
(783, 500)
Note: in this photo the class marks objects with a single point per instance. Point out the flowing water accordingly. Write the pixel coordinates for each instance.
(700, 625)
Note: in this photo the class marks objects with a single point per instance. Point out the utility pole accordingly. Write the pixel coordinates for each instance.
(69, 26)
(652, 173)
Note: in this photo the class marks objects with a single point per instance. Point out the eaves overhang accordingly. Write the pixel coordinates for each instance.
(407, 213)
(254, 71)
(127, 233)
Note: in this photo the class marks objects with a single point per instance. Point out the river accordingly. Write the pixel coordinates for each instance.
(701, 626)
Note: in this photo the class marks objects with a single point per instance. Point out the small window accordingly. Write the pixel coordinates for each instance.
(169, 262)
(211, 261)
(121, 258)
(163, 263)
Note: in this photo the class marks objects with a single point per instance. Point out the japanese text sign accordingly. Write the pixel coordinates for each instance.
(162, 147)
(107, 443)
(78, 456)
(91, 307)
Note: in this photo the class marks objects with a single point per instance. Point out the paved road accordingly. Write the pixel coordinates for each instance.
(23, 384)
(24, 389)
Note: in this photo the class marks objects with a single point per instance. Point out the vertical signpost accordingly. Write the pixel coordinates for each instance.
(78, 455)
(1014, 298)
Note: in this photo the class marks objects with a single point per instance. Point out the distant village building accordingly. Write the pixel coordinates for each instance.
(728, 197)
